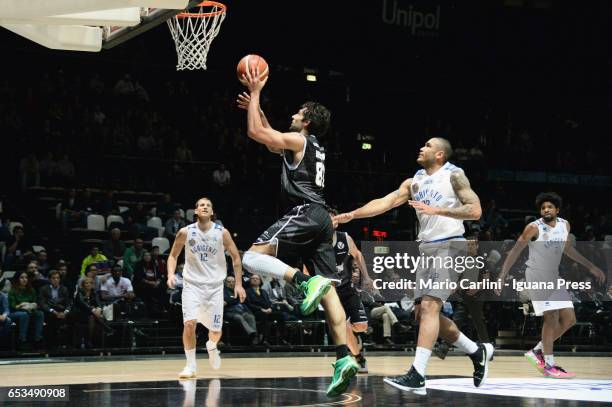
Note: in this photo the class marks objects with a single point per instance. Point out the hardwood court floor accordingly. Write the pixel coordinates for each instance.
(167, 368)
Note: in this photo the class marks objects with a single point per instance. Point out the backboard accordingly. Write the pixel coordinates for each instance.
(86, 25)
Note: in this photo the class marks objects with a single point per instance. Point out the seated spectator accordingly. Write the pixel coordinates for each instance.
(5, 321)
(18, 250)
(97, 275)
(277, 297)
(108, 205)
(36, 279)
(55, 301)
(94, 257)
(149, 284)
(161, 262)
(73, 212)
(377, 309)
(173, 225)
(136, 222)
(88, 309)
(182, 152)
(222, 177)
(116, 288)
(235, 311)
(24, 310)
(114, 248)
(132, 256)
(5, 283)
(29, 169)
(48, 169)
(165, 207)
(65, 279)
(43, 263)
(261, 306)
(65, 171)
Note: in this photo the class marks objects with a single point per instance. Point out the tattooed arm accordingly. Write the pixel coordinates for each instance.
(470, 204)
(380, 205)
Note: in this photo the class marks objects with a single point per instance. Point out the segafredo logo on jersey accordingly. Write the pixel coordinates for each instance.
(421, 22)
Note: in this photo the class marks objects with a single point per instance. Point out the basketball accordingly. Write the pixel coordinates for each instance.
(250, 61)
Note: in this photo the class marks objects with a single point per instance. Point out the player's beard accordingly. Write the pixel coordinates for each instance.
(295, 127)
(549, 218)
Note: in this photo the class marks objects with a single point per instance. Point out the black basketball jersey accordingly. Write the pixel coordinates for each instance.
(343, 258)
(303, 183)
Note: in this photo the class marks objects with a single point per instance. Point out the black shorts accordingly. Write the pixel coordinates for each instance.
(353, 307)
(305, 233)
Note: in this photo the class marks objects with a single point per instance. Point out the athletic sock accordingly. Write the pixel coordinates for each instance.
(359, 357)
(421, 357)
(299, 278)
(210, 345)
(341, 351)
(191, 357)
(465, 344)
(539, 346)
(549, 359)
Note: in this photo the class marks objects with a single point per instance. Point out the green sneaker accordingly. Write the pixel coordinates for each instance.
(344, 369)
(314, 289)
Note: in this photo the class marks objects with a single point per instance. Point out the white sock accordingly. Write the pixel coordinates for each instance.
(549, 359)
(191, 357)
(210, 345)
(539, 346)
(465, 344)
(421, 357)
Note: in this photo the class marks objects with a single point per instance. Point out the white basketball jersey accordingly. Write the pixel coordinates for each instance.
(436, 190)
(204, 256)
(545, 252)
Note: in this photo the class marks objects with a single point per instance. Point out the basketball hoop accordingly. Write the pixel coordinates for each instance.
(194, 31)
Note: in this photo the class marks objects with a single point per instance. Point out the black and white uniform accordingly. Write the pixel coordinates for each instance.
(545, 254)
(306, 230)
(349, 297)
(203, 275)
(441, 237)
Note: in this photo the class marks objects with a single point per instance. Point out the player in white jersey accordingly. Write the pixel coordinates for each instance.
(442, 197)
(547, 241)
(203, 275)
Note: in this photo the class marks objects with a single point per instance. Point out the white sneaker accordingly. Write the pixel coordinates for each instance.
(188, 372)
(214, 357)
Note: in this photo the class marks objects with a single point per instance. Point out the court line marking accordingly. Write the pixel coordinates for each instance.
(350, 398)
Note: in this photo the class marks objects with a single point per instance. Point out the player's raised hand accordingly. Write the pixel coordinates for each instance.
(239, 292)
(243, 100)
(343, 217)
(252, 79)
(425, 209)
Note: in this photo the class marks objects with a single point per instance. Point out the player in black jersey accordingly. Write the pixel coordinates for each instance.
(357, 319)
(305, 231)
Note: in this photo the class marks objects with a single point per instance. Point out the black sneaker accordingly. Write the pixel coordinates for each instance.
(441, 350)
(411, 381)
(363, 365)
(481, 359)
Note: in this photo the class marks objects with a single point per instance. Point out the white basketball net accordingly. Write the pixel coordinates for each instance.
(194, 31)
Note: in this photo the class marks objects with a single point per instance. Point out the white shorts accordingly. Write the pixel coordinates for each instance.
(204, 304)
(558, 300)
